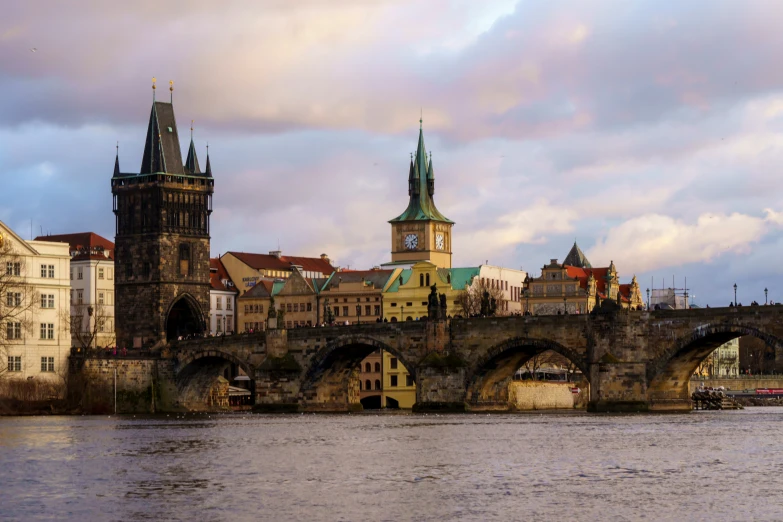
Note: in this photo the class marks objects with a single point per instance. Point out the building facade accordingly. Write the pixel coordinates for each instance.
(222, 300)
(355, 296)
(35, 338)
(246, 269)
(92, 288)
(162, 281)
(564, 288)
(421, 233)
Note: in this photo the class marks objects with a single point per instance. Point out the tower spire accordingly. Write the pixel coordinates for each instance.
(117, 161)
(191, 162)
(171, 91)
(153, 89)
(208, 171)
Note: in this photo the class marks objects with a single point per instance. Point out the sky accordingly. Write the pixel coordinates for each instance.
(650, 132)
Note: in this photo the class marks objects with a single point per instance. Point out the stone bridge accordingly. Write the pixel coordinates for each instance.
(634, 361)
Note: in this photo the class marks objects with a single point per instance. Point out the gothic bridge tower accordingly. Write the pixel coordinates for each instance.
(162, 239)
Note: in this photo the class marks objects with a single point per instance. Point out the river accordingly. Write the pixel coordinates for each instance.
(551, 466)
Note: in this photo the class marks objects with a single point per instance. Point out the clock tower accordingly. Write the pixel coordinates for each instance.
(421, 233)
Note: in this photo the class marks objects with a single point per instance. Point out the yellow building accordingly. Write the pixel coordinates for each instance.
(421, 233)
(405, 298)
(399, 391)
(355, 295)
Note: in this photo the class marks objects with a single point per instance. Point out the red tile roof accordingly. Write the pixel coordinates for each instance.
(218, 274)
(84, 245)
(270, 262)
(583, 274)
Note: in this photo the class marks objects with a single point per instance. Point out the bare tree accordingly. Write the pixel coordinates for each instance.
(549, 359)
(17, 301)
(469, 299)
(90, 325)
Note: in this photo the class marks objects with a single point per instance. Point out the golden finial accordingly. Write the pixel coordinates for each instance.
(171, 85)
(153, 83)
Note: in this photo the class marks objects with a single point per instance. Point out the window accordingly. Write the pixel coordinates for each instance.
(393, 381)
(80, 297)
(409, 380)
(13, 330)
(101, 324)
(408, 304)
(100, 273)
(288, 324)
(218, 303)
(288, 307)
(377, 367)
(14, 363)
(296, 307)
(71, 301)
(79, 273)
(184, 259)
(367, 367)
(219, 325)
(394, 304)
(421, 279)
(71, 274)
(368, 385)
(111, 273)
(229, 323)
(13, 299)
(393, 363)
(309, 307)
(377, 309)
(101, 298)
(345, 311)
(47, 300)
(366, 299)
(228, 303)
(367, 309)
(247, 309)
(13, 269)
(428, 280)
(377, 384)
(47, 331)
(260, 309)
(47, 364)
(360, 385)
(146, 269)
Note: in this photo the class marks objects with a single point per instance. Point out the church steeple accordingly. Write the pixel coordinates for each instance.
(191, 163)
(421, 188)
(208, 172)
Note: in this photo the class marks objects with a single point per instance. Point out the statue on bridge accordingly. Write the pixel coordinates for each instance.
(436, 305)
(272, 316)
(328, 313)
(489, 305)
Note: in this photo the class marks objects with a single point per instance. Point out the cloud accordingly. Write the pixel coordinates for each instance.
(654, 241)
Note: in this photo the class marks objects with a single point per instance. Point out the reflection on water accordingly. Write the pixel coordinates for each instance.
(702, 466)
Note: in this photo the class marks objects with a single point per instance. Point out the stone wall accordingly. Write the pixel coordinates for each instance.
(740, 384)
(529, 395)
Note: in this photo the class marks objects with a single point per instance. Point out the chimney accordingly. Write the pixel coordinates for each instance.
(324, 257)
(276, 253)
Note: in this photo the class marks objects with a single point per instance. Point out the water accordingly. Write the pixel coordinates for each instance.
(567, 466)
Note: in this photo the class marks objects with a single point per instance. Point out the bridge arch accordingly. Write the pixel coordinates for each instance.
(490, 376)
(668, 375)
(197, 373)
(330, 383)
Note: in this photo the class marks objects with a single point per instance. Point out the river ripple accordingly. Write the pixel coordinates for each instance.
(701, 466)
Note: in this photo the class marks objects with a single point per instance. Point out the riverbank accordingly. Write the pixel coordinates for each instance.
(758, 401)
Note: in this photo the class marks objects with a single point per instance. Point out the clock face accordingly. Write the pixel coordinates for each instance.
(411, 241)
(439, 243)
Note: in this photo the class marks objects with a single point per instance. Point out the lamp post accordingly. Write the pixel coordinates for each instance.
(648, 299)
(358, 313)
(527, 301)
(402, 313)
(765, 296)
(735, 294)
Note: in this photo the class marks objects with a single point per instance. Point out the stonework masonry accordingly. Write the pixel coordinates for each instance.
(633, 360)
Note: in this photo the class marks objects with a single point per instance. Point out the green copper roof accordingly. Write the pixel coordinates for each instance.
(421, 189)
(277, 286)
(405, 274)
(463, 276)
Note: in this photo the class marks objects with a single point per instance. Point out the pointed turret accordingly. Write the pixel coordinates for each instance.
(117, 162)
(421, 187)
(208, 171)
(191, 163)
(577, 258)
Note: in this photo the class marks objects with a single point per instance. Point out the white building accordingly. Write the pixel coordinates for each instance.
(92, 288)
(35, 341)
(222, 300)
(510, 281)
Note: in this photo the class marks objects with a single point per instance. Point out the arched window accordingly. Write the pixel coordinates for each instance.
(377, 384)
(428, 280)
(360, 385)
(368, 385)
(377, 367)
(367, 367)
(421, 279)
(409, 318)
(393, 320)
